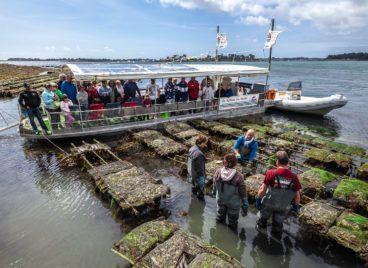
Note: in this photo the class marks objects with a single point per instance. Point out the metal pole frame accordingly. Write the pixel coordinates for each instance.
(270, 54)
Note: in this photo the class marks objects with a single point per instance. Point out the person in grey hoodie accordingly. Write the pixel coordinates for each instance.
(230, 191)
(197, 166)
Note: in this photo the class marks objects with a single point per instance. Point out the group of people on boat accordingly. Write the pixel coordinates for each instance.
(277, 196)
(62, 98)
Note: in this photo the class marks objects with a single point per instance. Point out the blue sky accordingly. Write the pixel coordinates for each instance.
(158, 28)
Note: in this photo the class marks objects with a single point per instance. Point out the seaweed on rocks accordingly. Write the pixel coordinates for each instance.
(253, 183)
(162, 145)
(363, 171)
(353, 193)
(314, 179)
(141, 240)
(318, 217)
(159, 243)
(129, 186)
(351, 231)
(316, 155)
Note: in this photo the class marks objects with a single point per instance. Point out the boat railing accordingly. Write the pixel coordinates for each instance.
(83, 119)
(98, 117)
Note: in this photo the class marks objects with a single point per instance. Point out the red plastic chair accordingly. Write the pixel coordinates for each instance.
(96, 111)
(130, 104)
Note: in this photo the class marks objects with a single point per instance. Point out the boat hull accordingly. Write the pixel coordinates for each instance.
(310, 105)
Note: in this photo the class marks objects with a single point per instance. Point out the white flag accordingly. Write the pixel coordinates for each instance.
(221, 40)
(271, 38)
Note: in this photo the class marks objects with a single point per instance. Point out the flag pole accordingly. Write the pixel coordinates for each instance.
(218, 31)
(270, 55)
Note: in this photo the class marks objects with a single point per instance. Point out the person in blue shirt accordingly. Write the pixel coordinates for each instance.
(68, 88)
(229, 92)
(245, 147)
(169, 89)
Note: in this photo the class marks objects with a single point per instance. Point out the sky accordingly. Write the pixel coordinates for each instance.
(119, 29)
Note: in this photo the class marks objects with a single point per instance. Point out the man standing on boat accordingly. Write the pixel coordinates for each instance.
(68, 88)
(280, 189)
(246, 146)
(130, 90)
(31, 101)
(193, 89)
(197, 166)
(183, 88)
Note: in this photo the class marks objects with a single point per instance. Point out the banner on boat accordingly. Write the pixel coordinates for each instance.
(221, 40)
(271, 38)
(251, 98)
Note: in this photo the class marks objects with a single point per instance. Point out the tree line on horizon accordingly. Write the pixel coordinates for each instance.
(208, 58)
(349, 56)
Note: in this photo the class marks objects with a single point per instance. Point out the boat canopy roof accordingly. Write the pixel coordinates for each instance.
(137, 71)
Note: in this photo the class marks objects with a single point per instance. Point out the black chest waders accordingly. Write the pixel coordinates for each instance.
(279, 199)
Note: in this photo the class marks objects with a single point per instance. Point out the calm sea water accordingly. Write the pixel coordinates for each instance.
(51, 217)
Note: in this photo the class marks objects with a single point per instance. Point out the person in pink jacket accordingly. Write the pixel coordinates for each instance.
(64, 105)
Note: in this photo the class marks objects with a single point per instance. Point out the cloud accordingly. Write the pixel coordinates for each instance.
(50, 48)
(68, 49)
(252, 20)
(108, 49)
(339, 16)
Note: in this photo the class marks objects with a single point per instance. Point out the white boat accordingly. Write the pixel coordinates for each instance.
(292, 100)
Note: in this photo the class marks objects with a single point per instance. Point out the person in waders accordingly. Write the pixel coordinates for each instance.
(245, 147)
(197, 166)
(230, 191)
(279, 192)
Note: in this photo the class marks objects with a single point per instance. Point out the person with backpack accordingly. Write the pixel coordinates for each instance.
(279, 193)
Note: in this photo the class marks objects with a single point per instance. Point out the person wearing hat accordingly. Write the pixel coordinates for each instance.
(49, 98)
(31, 101)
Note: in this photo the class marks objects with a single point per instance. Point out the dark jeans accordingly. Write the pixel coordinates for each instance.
(55, 117)
(35, 112)
(278, 218)
(232, 215)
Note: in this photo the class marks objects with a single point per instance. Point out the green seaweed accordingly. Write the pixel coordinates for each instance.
(315, 178)
(363, 171)
(350, 231)
(353, 190)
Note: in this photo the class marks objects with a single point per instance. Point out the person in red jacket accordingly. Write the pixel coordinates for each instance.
(193, 89)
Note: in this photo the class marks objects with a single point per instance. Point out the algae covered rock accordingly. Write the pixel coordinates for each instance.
(280, 144)
(252, 184)
(352, 193)
(314, 179)
(182, 248)
(176, 127)
(318, 216)
(209, 260)
(212, 166)
(327, 157)
(341, 161)
(363, 171)
(162, 145)
(351, 231)
(316, 154)
(143, 239)
(221, 147)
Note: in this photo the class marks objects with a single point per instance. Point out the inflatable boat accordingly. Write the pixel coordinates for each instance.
(292, 100)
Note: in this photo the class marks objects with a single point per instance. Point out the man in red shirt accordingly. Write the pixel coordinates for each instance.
(193, 89)
(280, 189)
